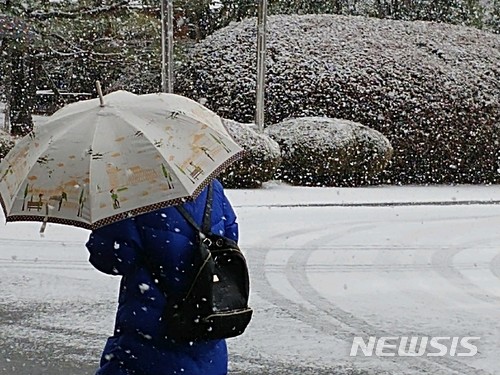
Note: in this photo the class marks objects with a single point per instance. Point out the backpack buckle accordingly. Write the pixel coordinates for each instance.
(207, 241)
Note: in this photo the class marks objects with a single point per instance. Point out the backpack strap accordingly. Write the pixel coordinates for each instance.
(207, 216)
(206, 224)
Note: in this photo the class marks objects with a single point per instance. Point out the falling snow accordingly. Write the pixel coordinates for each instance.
(432, 89)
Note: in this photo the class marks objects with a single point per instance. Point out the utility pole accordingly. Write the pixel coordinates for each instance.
(261, 63)
(167, 46)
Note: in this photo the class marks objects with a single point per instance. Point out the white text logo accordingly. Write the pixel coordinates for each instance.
(415, 346)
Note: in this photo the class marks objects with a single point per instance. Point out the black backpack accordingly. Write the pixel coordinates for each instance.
(216, 304)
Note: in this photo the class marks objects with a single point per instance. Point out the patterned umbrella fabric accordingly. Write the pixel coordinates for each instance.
(91, 164)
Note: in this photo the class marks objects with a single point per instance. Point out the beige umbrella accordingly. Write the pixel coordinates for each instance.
(95, 163)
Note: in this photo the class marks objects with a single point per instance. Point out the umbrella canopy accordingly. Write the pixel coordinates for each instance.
(91, 164)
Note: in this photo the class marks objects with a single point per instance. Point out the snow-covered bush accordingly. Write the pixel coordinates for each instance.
(6, 143)
(261, 160)
(432, 89)
(319, 151)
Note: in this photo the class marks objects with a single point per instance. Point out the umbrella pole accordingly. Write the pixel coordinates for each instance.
(167, 46)
(99, 92)
(261, 63)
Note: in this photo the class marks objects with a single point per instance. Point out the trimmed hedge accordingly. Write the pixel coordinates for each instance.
(319, 151)
(260, 162)
(432, 89)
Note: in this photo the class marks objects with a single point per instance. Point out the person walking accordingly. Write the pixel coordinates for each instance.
(139, 345)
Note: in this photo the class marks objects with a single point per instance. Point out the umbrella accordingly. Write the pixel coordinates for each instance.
(93, 163)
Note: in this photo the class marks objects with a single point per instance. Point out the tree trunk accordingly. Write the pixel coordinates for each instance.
(22, 92)
(6, 69)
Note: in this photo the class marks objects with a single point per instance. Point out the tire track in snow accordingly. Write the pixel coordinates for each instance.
(376, 268)
(375, 204)
(300, 312)
(420, 296)
(495, 266)
(261, 284)
(340, 325)
(296, 274)
(5, 242)
(324, 321)
(442, 262)
(44, 265)
(443, 258)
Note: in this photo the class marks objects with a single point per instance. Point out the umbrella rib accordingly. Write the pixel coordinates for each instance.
(38, 155)
(58, 116)
(91, 161)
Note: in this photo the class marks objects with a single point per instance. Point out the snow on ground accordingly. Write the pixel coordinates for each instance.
(326, 264)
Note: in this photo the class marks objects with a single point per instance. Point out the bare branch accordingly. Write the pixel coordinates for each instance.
(40, 15)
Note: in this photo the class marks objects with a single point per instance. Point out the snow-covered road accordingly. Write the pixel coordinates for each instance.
(322, 273)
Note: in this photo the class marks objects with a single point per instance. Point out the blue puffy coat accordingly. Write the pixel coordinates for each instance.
(138, 346)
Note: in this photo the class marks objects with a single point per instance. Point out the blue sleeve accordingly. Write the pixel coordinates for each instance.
(115, 248)
(231, 229)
